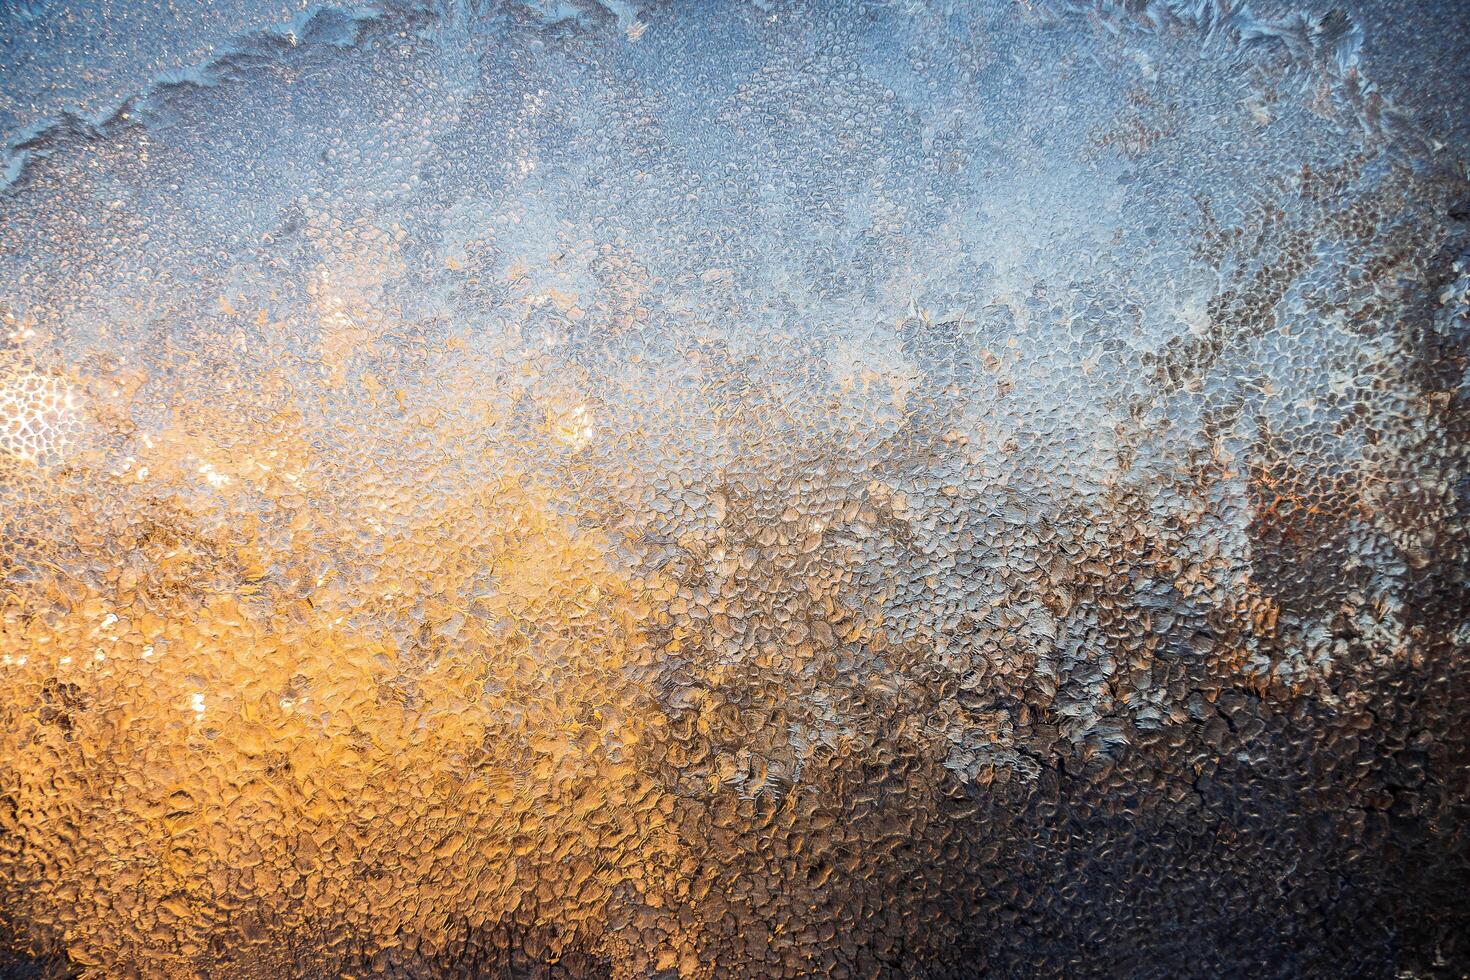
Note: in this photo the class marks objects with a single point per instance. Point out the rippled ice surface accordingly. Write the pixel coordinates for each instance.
(756, 489)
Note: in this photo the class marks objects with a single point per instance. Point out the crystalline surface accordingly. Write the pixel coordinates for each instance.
(752, 489)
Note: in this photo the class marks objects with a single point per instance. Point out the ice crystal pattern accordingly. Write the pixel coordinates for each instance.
(775, 489)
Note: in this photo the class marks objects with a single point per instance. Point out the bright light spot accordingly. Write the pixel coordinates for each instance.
(214, 478)
(575, 428)
(37, 415)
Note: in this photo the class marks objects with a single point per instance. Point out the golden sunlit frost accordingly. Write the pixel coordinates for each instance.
(801, 494)
(409, 783)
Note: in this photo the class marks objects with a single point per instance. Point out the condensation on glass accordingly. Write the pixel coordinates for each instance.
(853, 489)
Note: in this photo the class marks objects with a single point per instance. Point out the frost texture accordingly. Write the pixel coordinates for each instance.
(754, 489)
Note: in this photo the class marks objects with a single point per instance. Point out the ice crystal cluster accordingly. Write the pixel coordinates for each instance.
(929, 488)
